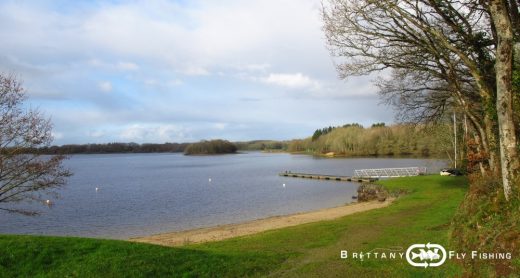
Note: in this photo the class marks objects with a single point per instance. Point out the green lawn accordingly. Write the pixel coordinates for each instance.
(423, 215)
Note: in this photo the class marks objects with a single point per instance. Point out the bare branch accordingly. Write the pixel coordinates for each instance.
(25, 175)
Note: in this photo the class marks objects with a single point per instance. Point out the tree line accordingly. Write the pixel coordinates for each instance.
(112, 148)
(210, 147)
(326, 130)
(119, 147)
(262, 145)
(399, 140)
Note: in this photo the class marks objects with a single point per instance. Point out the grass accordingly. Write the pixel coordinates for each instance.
(487, 221)
(423, 215)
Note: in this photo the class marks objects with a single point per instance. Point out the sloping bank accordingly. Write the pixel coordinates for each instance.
(423, 215)
(253, 227)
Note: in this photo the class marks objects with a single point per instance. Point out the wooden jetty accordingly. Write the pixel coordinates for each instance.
(327, 177)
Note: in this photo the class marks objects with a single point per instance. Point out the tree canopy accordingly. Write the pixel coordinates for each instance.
(435, 58)
(211, 147)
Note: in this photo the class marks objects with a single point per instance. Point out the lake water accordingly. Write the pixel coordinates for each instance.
(143, 194)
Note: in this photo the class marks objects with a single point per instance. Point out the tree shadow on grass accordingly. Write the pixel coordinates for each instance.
(453, 182)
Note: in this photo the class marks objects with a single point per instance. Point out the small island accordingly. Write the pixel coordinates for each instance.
(211, 147)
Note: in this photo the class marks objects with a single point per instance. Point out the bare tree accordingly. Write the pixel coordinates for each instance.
(455, 53)
(25, 175)
(445, 46)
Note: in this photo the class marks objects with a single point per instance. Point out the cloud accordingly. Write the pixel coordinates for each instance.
(105, 86)
(127, 66)
(154, 133)
(195, 71)
(259, 63)
(121, 66)
(220, 126)
(96, 133)
(163, 85)
(57, 135)
(253, 67)
(293, 81)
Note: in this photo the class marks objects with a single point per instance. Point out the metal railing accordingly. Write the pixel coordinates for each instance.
(390, 172)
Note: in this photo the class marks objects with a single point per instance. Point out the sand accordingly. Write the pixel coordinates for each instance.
(252, 227)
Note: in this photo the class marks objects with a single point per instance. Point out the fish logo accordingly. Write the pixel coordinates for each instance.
(426, 255)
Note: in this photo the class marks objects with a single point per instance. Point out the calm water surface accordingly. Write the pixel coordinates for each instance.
(143, 194)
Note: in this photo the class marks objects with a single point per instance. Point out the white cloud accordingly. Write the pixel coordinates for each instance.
(122, 66)
(57, 135)
(161, 83)
(203, 35)
(189, 39)
(294, 81)
(96, 133)
(220, 126)
(105, 86)
(96, 63)
(154, 133)
(205, 56)
(175, 82)
(151, 82)
(253, 67)
(127, 66)
(134, 132)
(195, 71)
(208, 34)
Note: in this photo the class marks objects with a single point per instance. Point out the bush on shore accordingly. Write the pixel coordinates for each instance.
(210, 147)
(486, 222)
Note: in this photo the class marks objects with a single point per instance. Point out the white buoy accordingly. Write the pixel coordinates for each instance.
(48, 202)
(209, 179)
(283, 185)
(97, 189)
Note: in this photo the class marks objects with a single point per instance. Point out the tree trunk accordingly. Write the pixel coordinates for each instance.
(515, 16)
(491, 139)
(480, 138)
(486, 133)
(504, 67)
(481, 166)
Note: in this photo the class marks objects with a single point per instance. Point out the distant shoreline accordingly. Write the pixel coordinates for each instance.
(222, 232)
(266, 152)
(243, 151)
(337, 155)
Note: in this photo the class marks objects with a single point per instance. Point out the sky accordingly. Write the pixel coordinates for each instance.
(156, 71)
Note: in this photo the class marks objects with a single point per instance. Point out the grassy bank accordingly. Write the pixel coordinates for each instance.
(421, 216)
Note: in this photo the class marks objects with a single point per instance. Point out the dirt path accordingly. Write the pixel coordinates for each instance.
(256, 226)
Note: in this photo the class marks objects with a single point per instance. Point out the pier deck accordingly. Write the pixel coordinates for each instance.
(391, 172)
(327, 177)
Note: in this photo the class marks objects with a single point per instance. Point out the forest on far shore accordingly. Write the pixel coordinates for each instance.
(379, 140)
(211, 147)
(347, 140)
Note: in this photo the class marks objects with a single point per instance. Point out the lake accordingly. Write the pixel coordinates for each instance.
(143, 194)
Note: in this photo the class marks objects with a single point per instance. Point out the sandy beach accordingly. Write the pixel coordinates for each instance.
(252, 227)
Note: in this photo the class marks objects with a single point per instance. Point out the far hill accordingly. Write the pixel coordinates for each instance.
(356, 140)
(210, 148)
